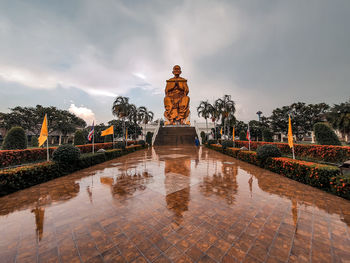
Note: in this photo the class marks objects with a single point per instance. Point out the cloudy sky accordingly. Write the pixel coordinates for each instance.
(81, 54)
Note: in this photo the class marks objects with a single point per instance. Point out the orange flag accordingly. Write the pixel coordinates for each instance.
(44, 132)
(107, 131)
(290, 133)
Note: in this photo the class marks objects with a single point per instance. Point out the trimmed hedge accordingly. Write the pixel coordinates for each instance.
(326, 177)
(340, 185)
(317, 175)
(15, 179)
(327, 153)
(16, 157)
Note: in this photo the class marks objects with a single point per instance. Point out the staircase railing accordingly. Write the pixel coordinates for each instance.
(155, 133)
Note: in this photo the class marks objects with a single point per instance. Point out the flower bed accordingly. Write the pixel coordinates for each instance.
(15, 157)
(317, 175)
(327, 153)
(15, 179)
(326, 177)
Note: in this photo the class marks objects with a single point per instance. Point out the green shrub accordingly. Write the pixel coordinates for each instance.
(66, 154)
(34, 141)
(149, 137)
(15, 179)
(212, 141)
(325, 135)
(15, 139)
(79, 138)
(227, 144)
(267, 151)
(142, 143)
(242, 136)
(120, 145)
(267, 135)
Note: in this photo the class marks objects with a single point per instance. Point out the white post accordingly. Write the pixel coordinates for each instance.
(293, 152)
(93, 142)
(249, 135)
(47, 148)
(312, 137)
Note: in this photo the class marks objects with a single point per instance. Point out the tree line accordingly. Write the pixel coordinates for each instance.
(304, 117)
(63, 122)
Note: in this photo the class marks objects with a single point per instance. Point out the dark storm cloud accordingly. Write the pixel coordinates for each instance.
(264, 53)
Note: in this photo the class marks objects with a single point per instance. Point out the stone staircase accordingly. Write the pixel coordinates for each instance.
(175, 135)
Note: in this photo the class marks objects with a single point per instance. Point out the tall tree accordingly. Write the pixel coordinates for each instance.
(303, 118)
(30, 118)
(204, 110)
(225, 106)
(121, 109)
(145, 116)
(339, 117)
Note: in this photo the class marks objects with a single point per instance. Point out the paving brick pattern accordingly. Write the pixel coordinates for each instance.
(148, 206)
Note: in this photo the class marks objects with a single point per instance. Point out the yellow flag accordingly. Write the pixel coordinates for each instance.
(221, 131)
(290, 133)
(44, 132)
(233, 134)
(107, 131)
(126, 134)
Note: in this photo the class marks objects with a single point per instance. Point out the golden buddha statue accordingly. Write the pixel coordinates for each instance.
(176, 101)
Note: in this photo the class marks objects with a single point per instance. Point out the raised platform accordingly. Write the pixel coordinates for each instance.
(175, 135)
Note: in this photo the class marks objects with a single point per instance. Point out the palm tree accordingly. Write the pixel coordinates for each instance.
(225, 106)
(132, 117)
(214, 115)
(120, 109)
(145, 116)
(204, 110)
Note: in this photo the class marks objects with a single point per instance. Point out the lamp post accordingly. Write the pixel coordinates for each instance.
(259, 114)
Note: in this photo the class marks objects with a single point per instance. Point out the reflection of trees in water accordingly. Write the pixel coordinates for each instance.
(126, 185)
(222, 184)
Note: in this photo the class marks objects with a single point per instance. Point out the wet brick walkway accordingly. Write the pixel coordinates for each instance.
(174, 205)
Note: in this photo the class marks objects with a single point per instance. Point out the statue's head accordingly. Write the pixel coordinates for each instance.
(177, 70)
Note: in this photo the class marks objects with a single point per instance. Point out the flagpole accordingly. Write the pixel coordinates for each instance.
(93, 142)
(249, 135)
(47, 148)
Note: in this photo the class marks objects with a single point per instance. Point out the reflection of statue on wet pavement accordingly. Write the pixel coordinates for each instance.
(176, 101)
(39, 213)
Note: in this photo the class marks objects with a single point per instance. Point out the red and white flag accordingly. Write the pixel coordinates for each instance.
(91, 133)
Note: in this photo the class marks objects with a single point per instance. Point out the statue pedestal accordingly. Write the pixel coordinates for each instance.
(176, 135)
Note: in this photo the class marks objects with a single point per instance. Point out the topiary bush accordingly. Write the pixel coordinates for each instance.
(242, 136)
(210, 142)
(79, 138)
(227, 144)
(267, 151)
(120, 145)
(15, 139)
(325, 135)
(34, 141)
(149, 136)
(142, 143)
(66, 154)
(267, 135)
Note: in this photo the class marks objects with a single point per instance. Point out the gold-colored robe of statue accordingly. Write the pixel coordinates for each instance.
(176, 101)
